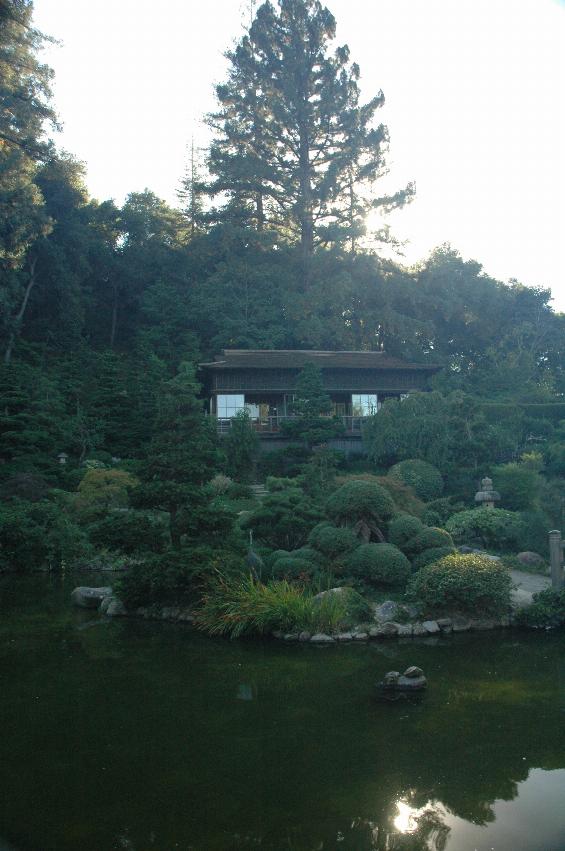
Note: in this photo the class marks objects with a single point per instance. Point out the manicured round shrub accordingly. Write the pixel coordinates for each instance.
(424, 479)
(490, 527)
(295, 568)
(471, 584)
(403, 528)
(379, 564)
(426, 539)
(430, 556)
(333, 541)
(360, 501)
(309, 553)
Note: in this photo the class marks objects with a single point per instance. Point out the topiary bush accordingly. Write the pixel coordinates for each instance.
(428, 538)
(403, 528)
(424, 479)
(379, 564)
(471, 584)
(430, 556)
(284, 519)
(295, 568)
(493, 528)
(333, 541)
(364, 506)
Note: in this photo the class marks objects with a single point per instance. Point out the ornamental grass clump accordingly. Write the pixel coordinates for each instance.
(471, 584)
(242, 605)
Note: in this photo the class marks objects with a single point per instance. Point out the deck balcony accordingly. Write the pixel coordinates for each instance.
(271, 426)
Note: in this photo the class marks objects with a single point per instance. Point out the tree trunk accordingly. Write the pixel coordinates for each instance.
(260, 213)
(19, 318)
(114, 318)
(305, 205)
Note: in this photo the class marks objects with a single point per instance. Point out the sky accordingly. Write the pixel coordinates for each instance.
(475, 94)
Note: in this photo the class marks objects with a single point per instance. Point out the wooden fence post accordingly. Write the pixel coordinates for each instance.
(556, 559)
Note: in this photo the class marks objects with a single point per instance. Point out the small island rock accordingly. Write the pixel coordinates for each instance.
(89, 598)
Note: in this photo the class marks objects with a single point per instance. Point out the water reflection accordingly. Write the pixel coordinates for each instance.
(143, 735)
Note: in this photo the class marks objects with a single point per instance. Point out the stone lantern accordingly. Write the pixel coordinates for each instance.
(486, 496)
(62, 456)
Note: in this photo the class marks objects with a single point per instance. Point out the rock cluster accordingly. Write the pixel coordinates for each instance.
(411, 680)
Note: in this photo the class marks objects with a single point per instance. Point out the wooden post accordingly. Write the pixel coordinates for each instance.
(556, 559)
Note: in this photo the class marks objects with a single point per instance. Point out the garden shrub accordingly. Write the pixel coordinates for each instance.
(101, 489)
(379, 564)
(220, 484)
(295, 568)
(403, 528)
(424, 479)
(471, 584)
(131, 532)
(533, 535)
(174, 577)
(332, 541)
(284, 519)
(283, 462)
(426, 539)
(519, 486)
(489, 527)
(546, 611)
(438, 511)
(239, 490)
(309, 553)
(404, 498)
(430, 556)
(365, 506)
(28, 486)
(38, 535)
(276, 483)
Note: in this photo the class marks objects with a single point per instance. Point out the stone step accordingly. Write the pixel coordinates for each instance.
(258, 491)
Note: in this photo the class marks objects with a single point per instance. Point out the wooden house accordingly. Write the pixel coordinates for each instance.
(263, 383)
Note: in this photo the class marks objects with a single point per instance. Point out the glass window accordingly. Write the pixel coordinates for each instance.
(228, 406)
(364, 404)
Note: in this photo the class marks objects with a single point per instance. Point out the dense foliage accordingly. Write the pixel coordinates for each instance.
(106, 311)
(471, 584)
(379, 565)
(423, 478)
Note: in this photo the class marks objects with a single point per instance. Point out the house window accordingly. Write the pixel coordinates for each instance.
(364, 404)
(227, 406)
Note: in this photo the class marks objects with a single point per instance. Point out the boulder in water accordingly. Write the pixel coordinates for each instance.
(89, 598)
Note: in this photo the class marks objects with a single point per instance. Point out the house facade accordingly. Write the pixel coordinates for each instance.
(262, 382)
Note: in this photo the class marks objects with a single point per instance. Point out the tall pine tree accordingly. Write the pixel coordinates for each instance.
(295, 149)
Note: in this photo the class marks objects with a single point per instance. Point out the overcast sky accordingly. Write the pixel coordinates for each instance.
(475, 92)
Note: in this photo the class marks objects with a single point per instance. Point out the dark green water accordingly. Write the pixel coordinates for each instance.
(137, 735)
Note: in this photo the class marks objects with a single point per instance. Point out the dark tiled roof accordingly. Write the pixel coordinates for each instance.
(296, 359)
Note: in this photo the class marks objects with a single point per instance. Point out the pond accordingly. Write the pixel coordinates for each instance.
(124, 734)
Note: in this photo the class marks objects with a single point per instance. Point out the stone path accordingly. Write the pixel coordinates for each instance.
(527, 584)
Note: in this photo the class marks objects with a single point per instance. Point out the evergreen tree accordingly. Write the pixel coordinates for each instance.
(295, 148)
(24, 112)
(183, 454)
(312, 405)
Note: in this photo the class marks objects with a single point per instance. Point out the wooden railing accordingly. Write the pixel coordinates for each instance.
(272, 425)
